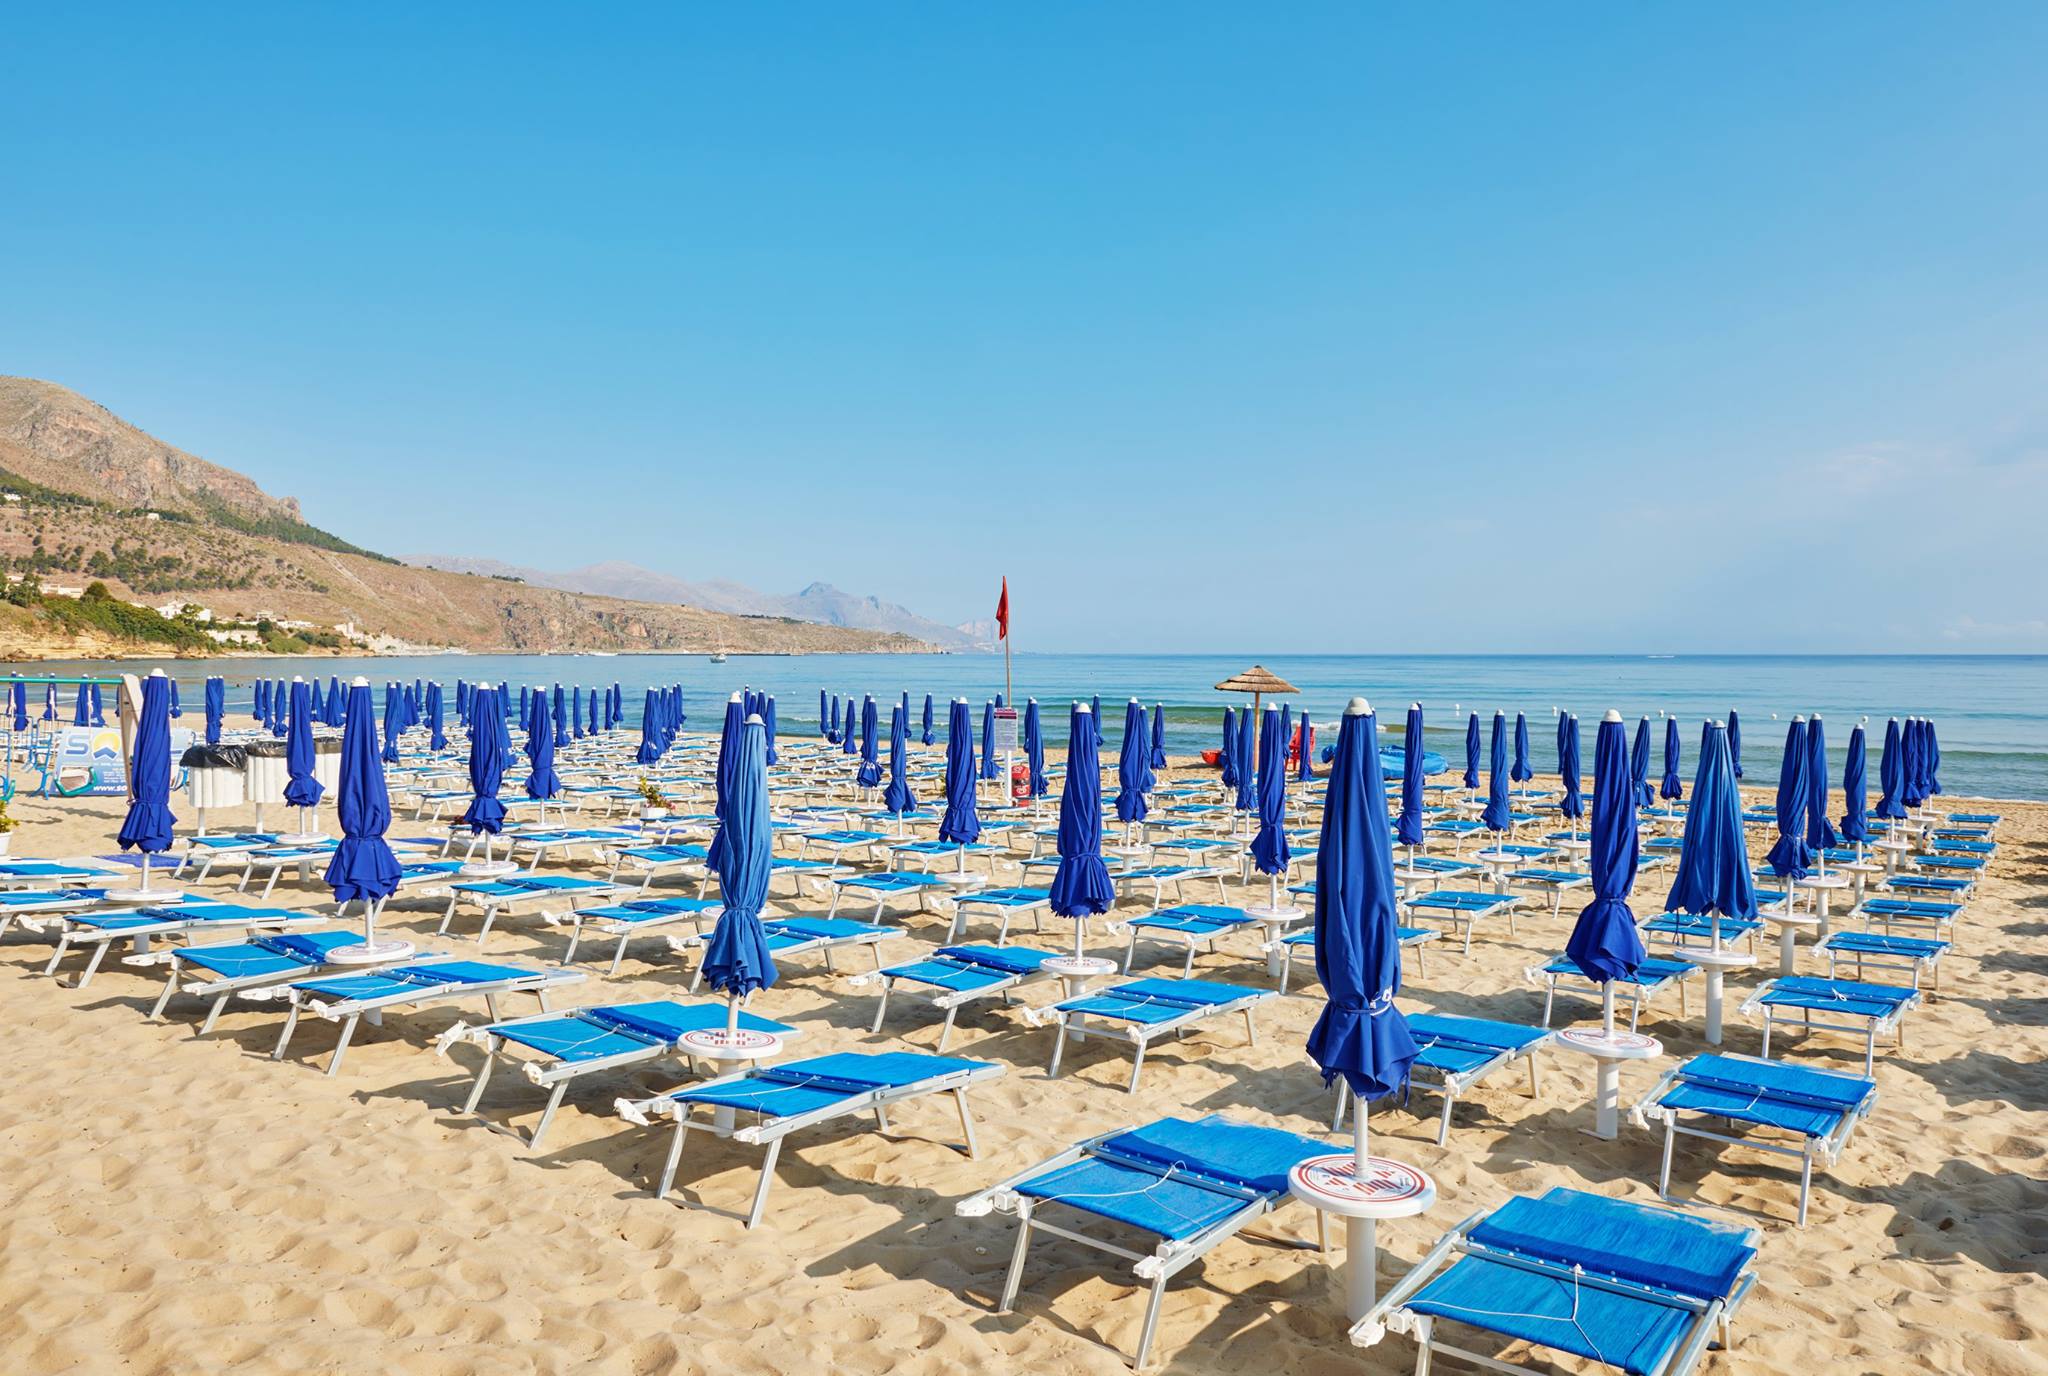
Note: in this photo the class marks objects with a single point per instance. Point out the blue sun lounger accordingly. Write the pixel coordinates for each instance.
(219, 972)
(789, 937)
(1005, 904)
(1193, 925)
(55, 874)
(183, 921)
(1820, 1108)
(651, 862)
(1636, 1287)
(1147, 1009)
(1876, 1008)
(27, 905)
(1461, 909)
(1557, 882)
(1918, 956)
(1909, 912)
(1456, 1053)
(1179, 876)
(634, 917)
(585, 1041)
(1654, 974)
(495, 896)
(763, 1106)
(1189, 1184)
(839, 843)
(420, 984)
(954, 976)
(1690, 929)
(1414, 939)
(883, 886)
(206, 851)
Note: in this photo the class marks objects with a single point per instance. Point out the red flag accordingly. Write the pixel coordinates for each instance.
(1003, 612)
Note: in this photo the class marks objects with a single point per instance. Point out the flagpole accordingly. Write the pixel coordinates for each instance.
(1009, 688)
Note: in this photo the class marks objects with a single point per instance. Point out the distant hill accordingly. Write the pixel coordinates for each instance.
(820, 603)
(97, 500)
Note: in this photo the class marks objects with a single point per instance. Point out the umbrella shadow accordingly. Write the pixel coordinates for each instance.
(1981, 1076)
(1965, 1212)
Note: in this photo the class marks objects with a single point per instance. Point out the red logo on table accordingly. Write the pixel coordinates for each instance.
(1385, 1182)
(719, 1039)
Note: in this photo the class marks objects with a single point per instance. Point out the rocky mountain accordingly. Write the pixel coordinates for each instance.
(92, 498)
(820, 603)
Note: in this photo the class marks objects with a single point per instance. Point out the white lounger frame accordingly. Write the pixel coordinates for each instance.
(349, 1012)
(1138, 1035)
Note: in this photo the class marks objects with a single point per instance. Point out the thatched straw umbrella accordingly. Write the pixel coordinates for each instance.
(1258, 681)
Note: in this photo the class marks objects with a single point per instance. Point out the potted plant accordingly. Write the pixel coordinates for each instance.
(653, 806)
(7, 826)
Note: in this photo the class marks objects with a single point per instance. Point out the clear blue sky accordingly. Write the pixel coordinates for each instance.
(1475, 327)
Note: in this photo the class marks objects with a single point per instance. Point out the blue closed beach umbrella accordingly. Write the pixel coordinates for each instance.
(1247, 763)
(337, 705)
(437, 738)
(50, 702)
(870, 773)
(485, 814)
(1891, 772)
(850, 734)
(1790, 858)
(363, 866)
(1931, 758)
(1521, 773)
(177, 710)
(1714, 877)
(1133, 767)
(1855, 786)
(1574, 804)
(1915, 764)
(1735, 742)
(1472, 752)
(1360, 1036)
(1095, 721)
(832, 725)
(1639, 765)
(1604, 944)
(576, 713)
(1228, 757)
(561, 707)
(725, 773)
(926, 734)
(99, 715)
(20, 704)
(1408, 829)
(991, 767)
(650, 730)
(897, 797)
(81, 711)
(1305, 748)
(216, 708)
(736, 958)
(960, 825)
(1497, 815)
(1159, 735)
(525, 703)
(824, 726)
(259, 701)
(767, 715)
(148, 825)
(1669, 788)
(392, 723)
(301, 789)
(542, 783)
(1270, 852)
(1034, 748)
(1820, 832)
(1081, 886)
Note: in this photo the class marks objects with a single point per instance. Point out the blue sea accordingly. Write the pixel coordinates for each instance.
(1991, 711)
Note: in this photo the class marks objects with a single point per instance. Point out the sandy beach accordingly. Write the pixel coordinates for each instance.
(182, 1204)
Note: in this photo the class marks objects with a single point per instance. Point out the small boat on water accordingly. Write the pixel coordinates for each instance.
(718, 656)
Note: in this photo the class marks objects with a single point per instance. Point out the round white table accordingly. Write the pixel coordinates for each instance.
(1609, 1050)
(723, 1048)
(1274, 920)
(1861, 871)
(1821, 885)
(1387, 1189)
(1077, 973)
(1717, 961)
(487, 869)
(371, 953)
(1790, 924)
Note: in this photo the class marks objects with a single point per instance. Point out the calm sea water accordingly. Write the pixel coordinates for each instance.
(1991, 710)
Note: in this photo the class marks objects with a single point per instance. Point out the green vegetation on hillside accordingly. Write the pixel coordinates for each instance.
(286, 529)
(100, 611)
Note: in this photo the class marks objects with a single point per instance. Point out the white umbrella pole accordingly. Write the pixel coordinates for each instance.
(1361, 1240)
(1607, 1009)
